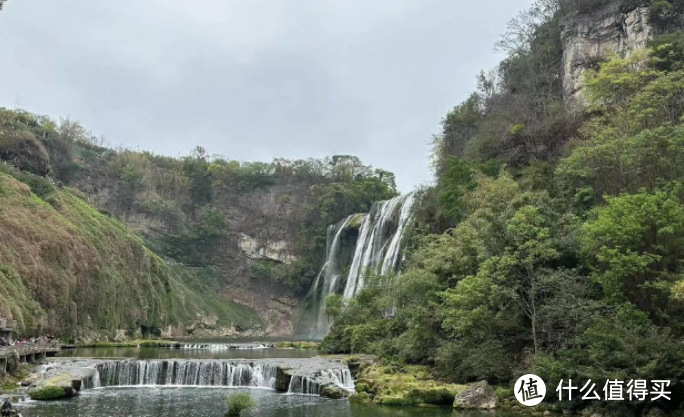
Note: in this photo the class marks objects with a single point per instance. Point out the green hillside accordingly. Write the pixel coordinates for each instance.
(70, 270)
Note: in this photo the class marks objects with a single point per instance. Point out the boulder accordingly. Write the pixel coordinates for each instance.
(479, 396)
(334, 392)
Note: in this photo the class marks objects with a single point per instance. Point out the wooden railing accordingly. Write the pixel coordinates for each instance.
(29, 349)
(6, 323)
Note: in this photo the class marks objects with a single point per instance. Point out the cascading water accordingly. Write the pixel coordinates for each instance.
(378, 251)
(327, 279)
(184, 373)
(341, 378)
(310, 376)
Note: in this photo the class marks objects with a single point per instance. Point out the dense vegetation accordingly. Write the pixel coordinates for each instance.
(68, 269)
(61, 259)
(553, 240)
(191, 208)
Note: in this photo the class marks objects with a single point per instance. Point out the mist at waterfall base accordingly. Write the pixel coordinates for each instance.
(377, 239)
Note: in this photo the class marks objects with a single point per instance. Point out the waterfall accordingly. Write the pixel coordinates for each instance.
(184, 373)
(303, 385)
(329, 275)
(222, 346)
(309, 377)
(378, 250)
(306, 385)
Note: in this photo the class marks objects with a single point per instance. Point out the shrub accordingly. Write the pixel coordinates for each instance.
(237, 403)
(48, 393)
(434, 396)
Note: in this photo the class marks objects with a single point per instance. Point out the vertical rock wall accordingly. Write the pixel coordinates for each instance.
(590, 38)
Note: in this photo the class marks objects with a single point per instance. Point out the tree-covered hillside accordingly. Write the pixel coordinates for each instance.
(553, 240)
(250, 231)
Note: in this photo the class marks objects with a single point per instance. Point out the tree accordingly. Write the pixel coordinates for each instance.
(521, 32)
(196, 167)
(635, 245)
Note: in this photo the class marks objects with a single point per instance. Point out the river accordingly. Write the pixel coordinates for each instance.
(192, 401)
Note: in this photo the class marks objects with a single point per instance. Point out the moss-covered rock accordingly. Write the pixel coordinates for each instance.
(395, 385)
(334, 392)
(48, 393)
(60, 386)
(477, 396)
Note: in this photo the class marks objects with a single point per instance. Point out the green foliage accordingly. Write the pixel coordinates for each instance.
(459, 126)
(262, 269)
(455, 183)
(47, 393)
(196, 242)
(635, 243)
(74, 260)
(666, 15)
(237, 403)
(668, 51)
(397, 385)
(334, 306)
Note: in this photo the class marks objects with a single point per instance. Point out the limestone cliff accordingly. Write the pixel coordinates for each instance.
(591, 37)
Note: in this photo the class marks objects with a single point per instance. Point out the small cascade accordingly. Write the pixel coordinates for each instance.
(303, 385)
(327, 279)
(184, 373)
(222, 346)
(340, 377)
(312, 385)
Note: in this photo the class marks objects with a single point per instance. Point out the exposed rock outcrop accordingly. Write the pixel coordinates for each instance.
(255, 249)
(590, 38)
(479, 396)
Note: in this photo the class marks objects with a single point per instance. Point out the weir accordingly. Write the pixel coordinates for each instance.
(314, 376)
(377, 250)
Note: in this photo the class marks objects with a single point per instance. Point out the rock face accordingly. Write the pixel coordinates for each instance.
(479, 396)
(589, 38)
(276, 251)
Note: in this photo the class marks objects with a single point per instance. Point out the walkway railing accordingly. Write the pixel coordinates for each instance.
(29, 349)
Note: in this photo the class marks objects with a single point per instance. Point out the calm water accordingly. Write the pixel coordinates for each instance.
(166, 353)
(208, 402)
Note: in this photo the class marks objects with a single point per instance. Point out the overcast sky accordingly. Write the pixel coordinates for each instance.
(254, 79)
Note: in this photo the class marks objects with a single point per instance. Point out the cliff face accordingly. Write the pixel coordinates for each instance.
(590, 38)
(69, 270)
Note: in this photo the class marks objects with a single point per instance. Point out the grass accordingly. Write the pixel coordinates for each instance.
(396, 385)
(48, 393)
(299, 345)
(67, 269)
